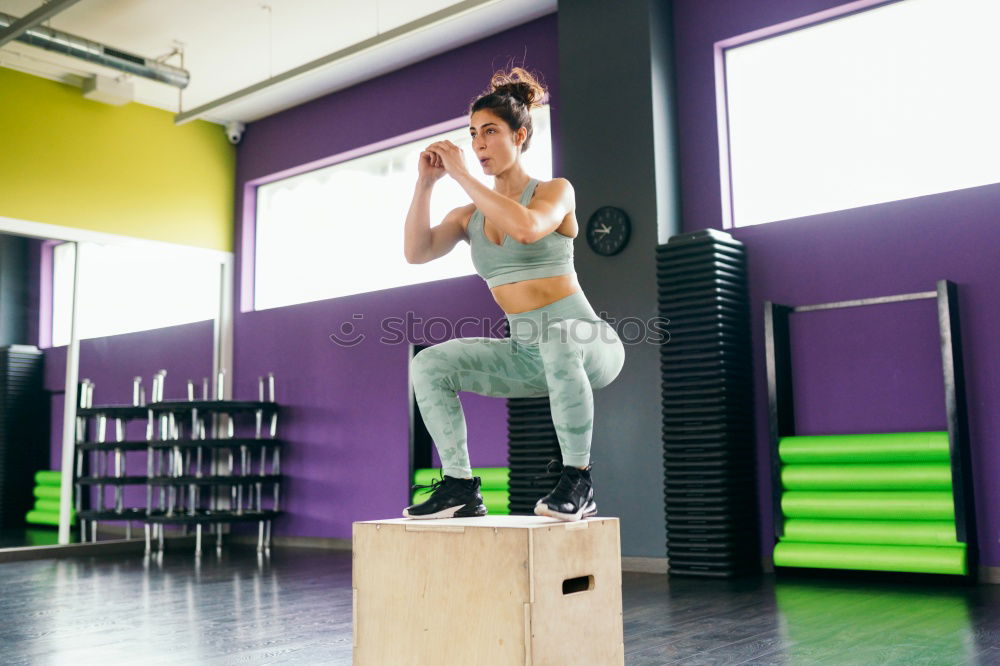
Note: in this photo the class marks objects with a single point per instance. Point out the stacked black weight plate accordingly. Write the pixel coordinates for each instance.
(532, 443)
(707, 404)
(24, 430)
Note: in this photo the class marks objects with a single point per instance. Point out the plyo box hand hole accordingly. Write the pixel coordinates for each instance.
(578, 584)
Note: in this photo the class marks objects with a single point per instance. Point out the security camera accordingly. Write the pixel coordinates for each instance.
(234, 131)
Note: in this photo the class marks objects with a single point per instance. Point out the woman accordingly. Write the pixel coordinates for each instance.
(521, 238)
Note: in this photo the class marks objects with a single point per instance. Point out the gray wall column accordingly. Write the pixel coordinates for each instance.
(618, 147)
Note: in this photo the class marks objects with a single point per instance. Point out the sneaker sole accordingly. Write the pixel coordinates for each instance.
(542, 509)
(459, 511)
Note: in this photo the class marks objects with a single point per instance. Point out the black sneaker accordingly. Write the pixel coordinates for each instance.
(451, 498)
(572, 498)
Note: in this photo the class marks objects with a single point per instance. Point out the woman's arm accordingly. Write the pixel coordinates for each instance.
(422, 243)
(525, 224)
(417, 230)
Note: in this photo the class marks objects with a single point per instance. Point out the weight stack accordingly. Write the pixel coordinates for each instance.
(532, 443)
(707, 400)
(24, 431)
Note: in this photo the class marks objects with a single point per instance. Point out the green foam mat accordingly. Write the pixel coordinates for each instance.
(874, 532)
(872, 448)
(48, 478)
(889, 505)
(47, 492)
(493, 478)
(879, 476)
(914, 559)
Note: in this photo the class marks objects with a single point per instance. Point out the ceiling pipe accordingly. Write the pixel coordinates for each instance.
(78, 47)
(40, 15)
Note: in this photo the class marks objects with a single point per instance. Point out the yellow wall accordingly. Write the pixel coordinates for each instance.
(125, 170)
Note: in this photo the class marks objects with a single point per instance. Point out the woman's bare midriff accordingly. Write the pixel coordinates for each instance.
(515, 297)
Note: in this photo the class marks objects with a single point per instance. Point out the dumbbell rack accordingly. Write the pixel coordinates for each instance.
(190, 450)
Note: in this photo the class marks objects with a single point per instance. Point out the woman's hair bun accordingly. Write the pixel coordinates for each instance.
(520, 85)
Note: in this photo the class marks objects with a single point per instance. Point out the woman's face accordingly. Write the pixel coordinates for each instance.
(493, 142)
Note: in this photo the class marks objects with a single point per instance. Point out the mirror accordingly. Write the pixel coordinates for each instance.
(89, 318)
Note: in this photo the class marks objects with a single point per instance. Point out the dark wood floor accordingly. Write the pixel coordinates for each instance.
(295, 608)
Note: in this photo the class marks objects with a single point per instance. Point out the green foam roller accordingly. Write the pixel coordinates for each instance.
(47, 505)
(42, 517)
(51, 506)
(915, 559)
(873, 448)
(494, 498)
(493, 478)
(424, 477)
(47, 492)
(491, 498)
(875, 532)
(48, 477)
(889, 505)
(879, 476)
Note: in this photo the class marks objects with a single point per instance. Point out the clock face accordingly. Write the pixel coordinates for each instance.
(608, 230)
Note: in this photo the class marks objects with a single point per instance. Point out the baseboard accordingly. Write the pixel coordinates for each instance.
(657, 565)
(294, 542)
(989, 575)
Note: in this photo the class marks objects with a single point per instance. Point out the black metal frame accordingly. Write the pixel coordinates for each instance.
(781, 405)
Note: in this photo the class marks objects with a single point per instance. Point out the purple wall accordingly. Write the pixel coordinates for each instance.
(346, 410)
(872, 369)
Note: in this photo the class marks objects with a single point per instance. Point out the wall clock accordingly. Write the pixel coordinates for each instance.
(608, 230)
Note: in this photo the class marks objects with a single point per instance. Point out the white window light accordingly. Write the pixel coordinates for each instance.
(893, 102)
(338, 230)
(124, 289)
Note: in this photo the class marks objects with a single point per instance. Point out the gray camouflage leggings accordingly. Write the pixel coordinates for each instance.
(562, 350)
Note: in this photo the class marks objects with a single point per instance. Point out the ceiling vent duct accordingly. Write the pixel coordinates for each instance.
(78, 47)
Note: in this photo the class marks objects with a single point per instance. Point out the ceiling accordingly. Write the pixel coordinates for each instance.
(251, 58)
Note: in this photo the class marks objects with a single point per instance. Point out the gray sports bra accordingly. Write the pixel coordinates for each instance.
(514, 261)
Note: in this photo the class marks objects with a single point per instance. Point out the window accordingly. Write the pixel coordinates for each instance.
(338, 230)
(124, 289)
(889, 103)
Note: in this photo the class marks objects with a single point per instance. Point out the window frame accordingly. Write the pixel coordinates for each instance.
(721, 100)
(248, 223)
(47, 317)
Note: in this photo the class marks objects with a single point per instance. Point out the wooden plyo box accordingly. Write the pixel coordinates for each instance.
(487, 591)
